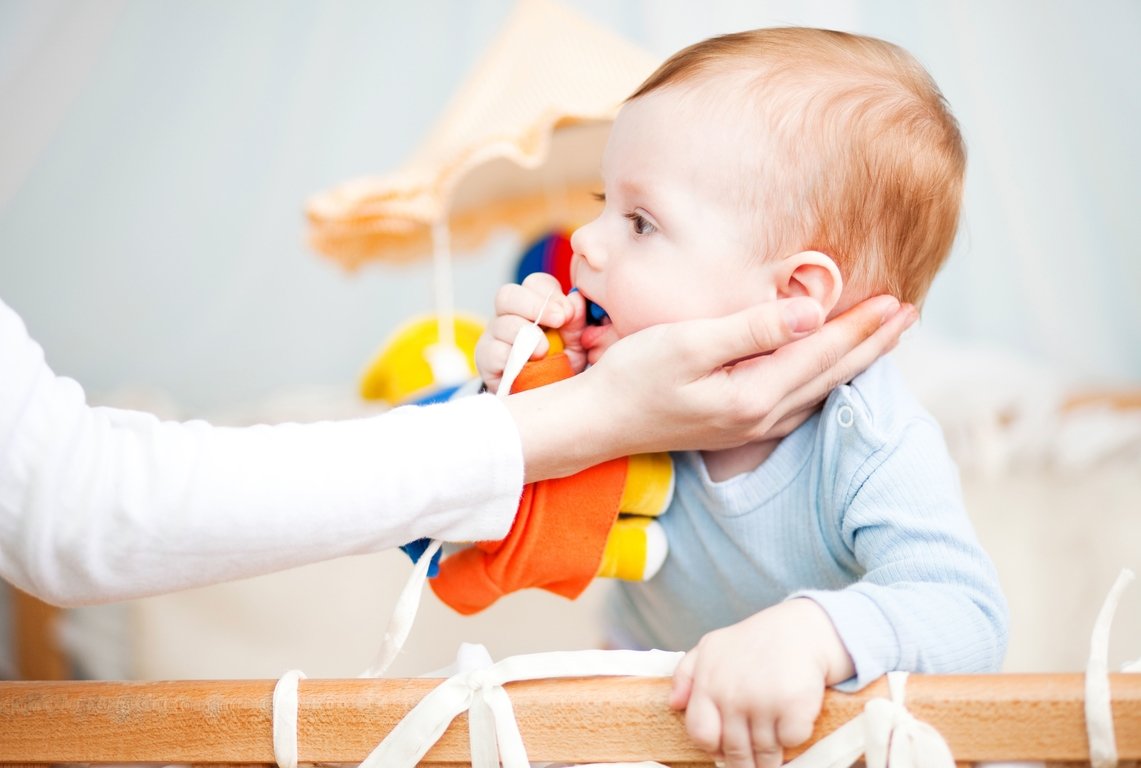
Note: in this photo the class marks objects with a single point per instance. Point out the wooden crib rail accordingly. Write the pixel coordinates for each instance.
(1113, 399)
(982, 717)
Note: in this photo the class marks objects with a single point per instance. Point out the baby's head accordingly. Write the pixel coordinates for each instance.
(772, 163)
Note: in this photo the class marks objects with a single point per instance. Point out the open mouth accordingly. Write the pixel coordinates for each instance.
(595, 314)
(597, 325)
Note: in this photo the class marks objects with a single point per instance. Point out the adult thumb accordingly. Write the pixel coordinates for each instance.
(756, 330)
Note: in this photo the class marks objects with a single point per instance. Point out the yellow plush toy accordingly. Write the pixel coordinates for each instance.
(413, 366)
(553, 548)
(636, 546)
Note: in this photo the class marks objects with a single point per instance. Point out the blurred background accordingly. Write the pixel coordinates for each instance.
(155, 161)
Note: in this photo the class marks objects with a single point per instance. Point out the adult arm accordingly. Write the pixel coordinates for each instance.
(100, 504)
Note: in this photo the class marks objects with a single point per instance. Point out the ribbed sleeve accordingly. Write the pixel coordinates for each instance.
(928, 600)
(860, 510)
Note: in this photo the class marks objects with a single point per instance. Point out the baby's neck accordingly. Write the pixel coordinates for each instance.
(722, 465)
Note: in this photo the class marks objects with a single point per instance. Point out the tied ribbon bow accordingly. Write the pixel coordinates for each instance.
(495, 737)
(885, 733)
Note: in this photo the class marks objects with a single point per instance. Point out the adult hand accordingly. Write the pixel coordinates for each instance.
(703, 384)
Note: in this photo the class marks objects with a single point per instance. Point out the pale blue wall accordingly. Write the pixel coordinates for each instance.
(155, 158)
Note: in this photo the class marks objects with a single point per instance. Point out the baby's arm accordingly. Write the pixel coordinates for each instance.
(929, 601)
(753, 688)
(517, 305)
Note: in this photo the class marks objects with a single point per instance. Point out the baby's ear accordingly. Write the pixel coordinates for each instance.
(812, 274)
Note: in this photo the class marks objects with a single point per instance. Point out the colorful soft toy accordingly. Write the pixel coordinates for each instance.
(550, 253)
(636, 546)
(413, 366)
(599, 522)
(567, 530)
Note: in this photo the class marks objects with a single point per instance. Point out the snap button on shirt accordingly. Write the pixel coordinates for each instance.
(845, 416)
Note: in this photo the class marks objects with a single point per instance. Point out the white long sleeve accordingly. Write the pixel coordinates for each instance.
(99, 504)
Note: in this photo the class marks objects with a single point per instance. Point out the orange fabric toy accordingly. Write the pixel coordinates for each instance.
(559, 534)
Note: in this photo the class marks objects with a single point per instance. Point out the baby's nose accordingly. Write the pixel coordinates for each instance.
(587, 246)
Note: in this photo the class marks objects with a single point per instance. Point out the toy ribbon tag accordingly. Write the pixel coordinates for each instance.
(525, 344)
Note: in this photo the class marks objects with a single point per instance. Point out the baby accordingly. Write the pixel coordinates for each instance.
(748, 168)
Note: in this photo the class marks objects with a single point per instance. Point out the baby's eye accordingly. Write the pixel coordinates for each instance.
(642, 225)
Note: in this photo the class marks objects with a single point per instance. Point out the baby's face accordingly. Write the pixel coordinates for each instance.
(673, 241)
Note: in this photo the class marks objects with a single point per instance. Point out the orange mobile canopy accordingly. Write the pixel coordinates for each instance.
(518, 147)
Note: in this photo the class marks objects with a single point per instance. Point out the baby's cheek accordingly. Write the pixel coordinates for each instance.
(669, 307)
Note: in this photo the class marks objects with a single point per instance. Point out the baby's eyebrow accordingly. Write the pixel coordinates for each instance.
(632, 188)
(627, 188)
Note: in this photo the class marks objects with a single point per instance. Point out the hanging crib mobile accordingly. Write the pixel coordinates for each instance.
(518, 148)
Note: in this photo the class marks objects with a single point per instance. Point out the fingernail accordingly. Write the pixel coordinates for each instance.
(802, 315)
(889, 305)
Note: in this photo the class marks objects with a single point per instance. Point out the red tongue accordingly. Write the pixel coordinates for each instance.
(592, 333)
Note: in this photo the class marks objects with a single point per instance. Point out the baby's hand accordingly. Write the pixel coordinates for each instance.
(519, 305)
(754, 688)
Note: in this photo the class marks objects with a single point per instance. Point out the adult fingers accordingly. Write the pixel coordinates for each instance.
(784, 386)
(715, 342)
(840, 359)
(787, 424)
(854, 340)
(881, 341)
(810, 367)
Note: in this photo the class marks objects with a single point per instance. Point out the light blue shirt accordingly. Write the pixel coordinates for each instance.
(860, 510)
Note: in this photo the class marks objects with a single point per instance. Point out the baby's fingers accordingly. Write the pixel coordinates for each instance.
(749, 738)
(539, 292)
(766, 746)
(494, 347)
(703, 723)
(683, 681)
(798, 719)
(490, 360)
(794, 731)
(505, 328)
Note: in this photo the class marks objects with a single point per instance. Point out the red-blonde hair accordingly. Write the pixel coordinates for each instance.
(863, 158)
